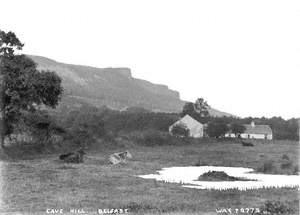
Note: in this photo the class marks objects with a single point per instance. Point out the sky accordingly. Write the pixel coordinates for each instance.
(243, 57)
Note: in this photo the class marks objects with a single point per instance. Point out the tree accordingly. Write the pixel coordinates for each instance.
(202, 107)
(216, 129)
(189, 109)
(23, 87)
(8, 44)
(197, 110)
(237, 129)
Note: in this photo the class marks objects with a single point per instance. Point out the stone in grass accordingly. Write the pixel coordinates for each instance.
(220, 176)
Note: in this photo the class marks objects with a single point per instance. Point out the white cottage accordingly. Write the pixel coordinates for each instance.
(257, 132)
(195, 128)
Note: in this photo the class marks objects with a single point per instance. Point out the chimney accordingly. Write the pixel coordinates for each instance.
(252, 124)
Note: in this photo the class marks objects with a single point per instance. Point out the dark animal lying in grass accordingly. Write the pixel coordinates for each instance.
(73, 157)
(244, 143)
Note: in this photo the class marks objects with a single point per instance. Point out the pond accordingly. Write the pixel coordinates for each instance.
(188, 177)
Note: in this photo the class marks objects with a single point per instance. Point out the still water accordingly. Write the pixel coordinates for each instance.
(187, 176)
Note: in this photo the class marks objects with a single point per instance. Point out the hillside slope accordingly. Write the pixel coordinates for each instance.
(113, 87)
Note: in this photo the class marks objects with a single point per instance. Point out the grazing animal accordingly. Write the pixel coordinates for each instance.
(244, 143)
(63, 156)
(119, 157)
(73, 157)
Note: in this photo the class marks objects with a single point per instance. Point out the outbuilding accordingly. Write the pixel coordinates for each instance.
(194, 127)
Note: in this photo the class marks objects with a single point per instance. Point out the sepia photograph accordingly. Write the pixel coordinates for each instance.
(149, 107)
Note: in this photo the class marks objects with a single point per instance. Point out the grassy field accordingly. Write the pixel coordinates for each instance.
(31, 186)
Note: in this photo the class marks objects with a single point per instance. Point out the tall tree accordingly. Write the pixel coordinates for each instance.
(23, 87)
(197, 110)
(189, 109)
(202, 107)
(8, 44)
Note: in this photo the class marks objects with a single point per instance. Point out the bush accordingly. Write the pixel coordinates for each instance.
(281, 166)
(296, 169)
(267, 166)
(180, 130)
(286, 164)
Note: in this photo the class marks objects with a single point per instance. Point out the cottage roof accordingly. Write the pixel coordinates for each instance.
(257, 129)
(188, 121)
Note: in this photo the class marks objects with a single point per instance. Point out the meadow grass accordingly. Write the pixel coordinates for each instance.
(33, 185)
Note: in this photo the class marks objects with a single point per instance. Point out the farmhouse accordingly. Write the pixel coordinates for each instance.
(257, 132)
(195, 128)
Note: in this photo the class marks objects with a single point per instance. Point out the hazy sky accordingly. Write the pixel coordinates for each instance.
(243, 57)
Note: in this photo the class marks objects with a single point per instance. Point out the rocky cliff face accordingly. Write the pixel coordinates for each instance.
(158, 89)
(113, 87)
